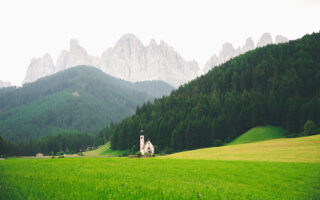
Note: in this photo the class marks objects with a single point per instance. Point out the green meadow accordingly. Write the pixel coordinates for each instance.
(125, 178)
(105, 150)
(260, 133)
(302, 149)
(184, 175)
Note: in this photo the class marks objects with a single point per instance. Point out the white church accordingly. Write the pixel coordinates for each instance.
(146, 147)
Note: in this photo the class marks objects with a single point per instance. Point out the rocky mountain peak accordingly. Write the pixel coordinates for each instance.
(152, 43)
(226, 53)
(132, 61)
(128, 40)
(77, 55)
(249, 45)
(229, 52)
(163, 43)
(129, 59)
(39, 67)
(213, 61)
(265, 40)
(74, 44)
(281, 39)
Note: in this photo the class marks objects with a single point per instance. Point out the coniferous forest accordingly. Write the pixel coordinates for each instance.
(82, 99)
(68, 143)
(274, 85)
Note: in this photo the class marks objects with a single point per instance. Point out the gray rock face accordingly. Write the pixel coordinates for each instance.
(39, 67)
(281, 39)
(76, 55)
(129, 59)
(229, 52)
(248, 46)
(4, 84)
(210, 63)
(265, 40)
(226, 53)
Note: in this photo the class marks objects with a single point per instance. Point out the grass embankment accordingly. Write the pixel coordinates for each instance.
(124, 178)
(303, 149)
(105, 150)
(260, 133)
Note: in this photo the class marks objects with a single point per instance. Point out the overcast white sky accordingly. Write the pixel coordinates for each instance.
(196, 29)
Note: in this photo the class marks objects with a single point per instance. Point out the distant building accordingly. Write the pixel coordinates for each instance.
(146, 147)
(39, 155)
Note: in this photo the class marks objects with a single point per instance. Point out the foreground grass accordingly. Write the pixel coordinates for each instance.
(105, 151)
(303, 149)
(124, 178)
(260, 133)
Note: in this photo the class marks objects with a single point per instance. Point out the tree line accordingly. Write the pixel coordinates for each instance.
(54, 145)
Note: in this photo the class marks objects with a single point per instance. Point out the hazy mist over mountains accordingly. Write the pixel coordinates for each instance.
(132, 61)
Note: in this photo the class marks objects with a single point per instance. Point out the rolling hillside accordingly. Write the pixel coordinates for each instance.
(153, 88)
(79, 99)
(302, 149)
(260, 133)
(105, 150)
(274, 85)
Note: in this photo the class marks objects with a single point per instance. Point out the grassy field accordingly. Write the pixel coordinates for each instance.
(194, 175)
(105, 151)
(124, 178)
(302, 149)
(260, 133)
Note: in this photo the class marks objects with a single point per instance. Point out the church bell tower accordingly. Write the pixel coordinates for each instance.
(142, 144)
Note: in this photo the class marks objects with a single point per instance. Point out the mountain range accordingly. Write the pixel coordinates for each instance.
(81, 99)
(129, 60)
(132, 61)
(228, 51)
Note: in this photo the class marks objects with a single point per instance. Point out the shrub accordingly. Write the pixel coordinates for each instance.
(217, 143)
(167, 150)
(156, 149)
(309, 128)
(133, 149)
(67, 151)
(60, 153)
(124, 154)
(138, 153)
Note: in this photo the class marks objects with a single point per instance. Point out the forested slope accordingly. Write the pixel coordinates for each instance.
(154, 88)
(274, 85)
(80, 99)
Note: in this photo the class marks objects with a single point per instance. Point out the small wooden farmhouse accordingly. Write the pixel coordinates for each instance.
(146, 148)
